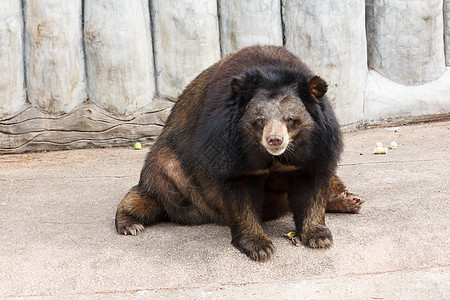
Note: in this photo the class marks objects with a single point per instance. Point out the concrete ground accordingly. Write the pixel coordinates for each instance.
(57, 236)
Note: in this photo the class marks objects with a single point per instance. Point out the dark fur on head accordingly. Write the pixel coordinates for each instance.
(224, 119)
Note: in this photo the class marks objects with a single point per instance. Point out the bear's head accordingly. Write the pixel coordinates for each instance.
(278, 106)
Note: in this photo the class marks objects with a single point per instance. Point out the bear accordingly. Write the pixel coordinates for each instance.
(251, 138)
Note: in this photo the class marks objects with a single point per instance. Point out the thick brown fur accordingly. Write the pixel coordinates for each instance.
(252, 138)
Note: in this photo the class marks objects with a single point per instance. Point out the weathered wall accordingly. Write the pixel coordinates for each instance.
(447, 30)
(119, 55)
(84, 73)
(12, 87)
(186, 37)
(55, 71)
(406, 53)
(330, 37)
(244, 23)
(118, 104)
(405, 41)
(386, 99)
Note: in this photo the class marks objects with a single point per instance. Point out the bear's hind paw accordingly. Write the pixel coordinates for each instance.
(344, 202)
(131, 229)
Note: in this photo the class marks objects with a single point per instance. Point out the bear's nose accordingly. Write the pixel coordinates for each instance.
(274, 140)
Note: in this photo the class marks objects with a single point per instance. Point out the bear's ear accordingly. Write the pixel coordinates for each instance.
(243, 87)
(317, 87)
(237, 85)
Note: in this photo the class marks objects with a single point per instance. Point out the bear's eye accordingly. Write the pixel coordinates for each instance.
(289, 120)
(259, 122)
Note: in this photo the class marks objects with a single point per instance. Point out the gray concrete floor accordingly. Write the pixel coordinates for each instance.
(57, 237)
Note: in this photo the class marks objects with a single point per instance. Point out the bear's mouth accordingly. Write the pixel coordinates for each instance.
(276, 151)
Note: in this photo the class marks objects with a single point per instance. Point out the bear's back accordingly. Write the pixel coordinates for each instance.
(213, 84)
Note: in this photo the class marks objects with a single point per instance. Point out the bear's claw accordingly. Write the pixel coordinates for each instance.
(131, 229)
(319, 237)
(258, 250)
(345, 202)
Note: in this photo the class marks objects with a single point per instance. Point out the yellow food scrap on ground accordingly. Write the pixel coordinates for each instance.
(380, 150)
(291, 236)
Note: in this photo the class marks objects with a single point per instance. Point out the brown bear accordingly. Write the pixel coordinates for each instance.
(251, 138)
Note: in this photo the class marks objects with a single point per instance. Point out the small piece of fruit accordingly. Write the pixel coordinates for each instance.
(137, 146)
(291, 236)
(380, 150)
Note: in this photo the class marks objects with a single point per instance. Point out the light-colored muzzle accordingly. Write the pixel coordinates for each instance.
(275, 137)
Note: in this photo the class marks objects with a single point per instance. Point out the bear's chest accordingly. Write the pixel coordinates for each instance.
(275, 167)
(279, 167)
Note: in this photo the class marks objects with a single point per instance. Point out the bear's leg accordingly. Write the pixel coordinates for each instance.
(172, 187)
(276, 202)
(136, 210)
(244, 218)
(248, 235)
(308, 201)
(275, 205)
(340, 199)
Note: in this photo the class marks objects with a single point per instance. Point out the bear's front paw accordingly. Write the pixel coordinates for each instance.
(257, 249)
(317, 237)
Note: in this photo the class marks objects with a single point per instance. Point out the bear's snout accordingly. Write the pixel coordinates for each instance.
(275, 140)
(275, 137)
